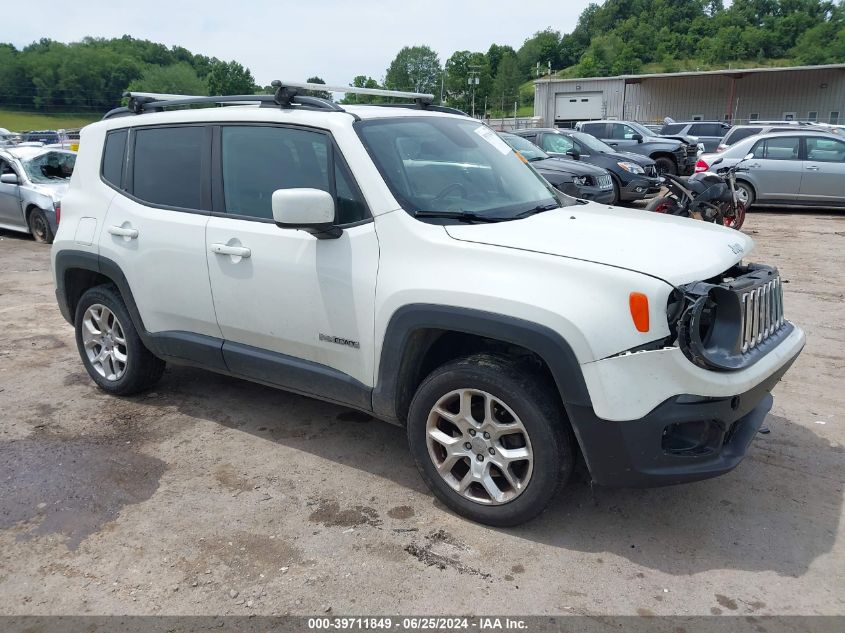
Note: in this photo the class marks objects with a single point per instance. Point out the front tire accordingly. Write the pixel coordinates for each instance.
(111, 350)
(664, 204)
(490, 439)
(40, 227)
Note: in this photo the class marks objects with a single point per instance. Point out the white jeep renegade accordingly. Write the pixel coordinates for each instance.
(404, 261)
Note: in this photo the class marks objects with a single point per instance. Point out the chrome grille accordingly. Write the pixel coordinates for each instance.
(762, 313)
(605, 182)
(692, 150)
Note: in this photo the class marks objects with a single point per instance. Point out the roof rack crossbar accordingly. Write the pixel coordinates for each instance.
(423, 97)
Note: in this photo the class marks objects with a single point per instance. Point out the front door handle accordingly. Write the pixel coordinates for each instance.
(812, 167)
(754, 166)
(234, 251)
(123, 231)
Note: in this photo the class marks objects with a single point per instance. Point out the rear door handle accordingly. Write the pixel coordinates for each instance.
(235, 251)
(812, 167)
(122, 231)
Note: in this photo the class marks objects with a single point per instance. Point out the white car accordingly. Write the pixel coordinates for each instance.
(804, 167)
(404, 261)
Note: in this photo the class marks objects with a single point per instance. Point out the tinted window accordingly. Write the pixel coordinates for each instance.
(674, 128)
(5, 168)
(114, 155)
(257, 160)
(739, 133)
(825, 150)
(782, 148)
(167, 166)
(707, 129)
(596, 129)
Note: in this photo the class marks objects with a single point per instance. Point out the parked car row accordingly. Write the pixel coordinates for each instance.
(32, 183)
(54, 139)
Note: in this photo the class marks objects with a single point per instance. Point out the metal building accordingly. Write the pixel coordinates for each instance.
(738, 96)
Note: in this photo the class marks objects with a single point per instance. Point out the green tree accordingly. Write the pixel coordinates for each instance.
(506, 85)
(322, 94)
(173, 79)
(362, 81)
(415, 68)
(228, 78)
(542, 47)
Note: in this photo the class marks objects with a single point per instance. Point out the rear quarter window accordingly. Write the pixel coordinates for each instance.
(114, 156)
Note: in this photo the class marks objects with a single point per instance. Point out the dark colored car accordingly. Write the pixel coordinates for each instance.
(575, 179)
(708, 133)
(673, 155)
(44, 136)
(634, 176)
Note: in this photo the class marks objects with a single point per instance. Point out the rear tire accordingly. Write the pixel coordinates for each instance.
(665, 165)
(108, 343)
(510, 447)
(40, 227)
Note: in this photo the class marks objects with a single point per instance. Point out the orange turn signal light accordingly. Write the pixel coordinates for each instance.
(638, 303)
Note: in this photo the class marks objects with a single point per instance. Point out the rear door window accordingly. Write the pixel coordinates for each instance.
(167, 166)
(707, 129)
(781, 148)
(596, 129)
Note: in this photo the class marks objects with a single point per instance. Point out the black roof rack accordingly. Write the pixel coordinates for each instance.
(286, 96)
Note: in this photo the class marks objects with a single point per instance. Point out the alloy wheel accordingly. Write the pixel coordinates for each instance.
(479, 446)
(104, 342)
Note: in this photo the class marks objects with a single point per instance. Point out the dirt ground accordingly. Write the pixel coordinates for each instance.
(213, 495)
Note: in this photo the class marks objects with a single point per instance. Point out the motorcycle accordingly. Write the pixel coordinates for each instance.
(707, 196)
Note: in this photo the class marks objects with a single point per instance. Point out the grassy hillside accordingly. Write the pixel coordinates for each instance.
(22, 121)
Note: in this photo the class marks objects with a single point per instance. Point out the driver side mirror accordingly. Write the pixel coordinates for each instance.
(9, 179)
(309, 210)
(749, 156)
(573, 153)
(638, 138)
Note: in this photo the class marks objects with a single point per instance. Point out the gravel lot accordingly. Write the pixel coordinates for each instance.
(212, 495)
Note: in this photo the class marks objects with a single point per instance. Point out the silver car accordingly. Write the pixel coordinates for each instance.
(32, 183)
(798, 168)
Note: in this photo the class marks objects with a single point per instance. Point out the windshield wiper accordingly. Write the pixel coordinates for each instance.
(463, 216)
(540, 208)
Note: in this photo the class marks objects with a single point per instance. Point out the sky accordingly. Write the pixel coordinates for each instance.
(294, 40)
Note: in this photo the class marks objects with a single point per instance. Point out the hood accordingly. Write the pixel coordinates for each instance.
(52, 190)
(629, 157)
(676, 250)
(565, 166)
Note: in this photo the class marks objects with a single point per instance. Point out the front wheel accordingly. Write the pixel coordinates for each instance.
(734, 217)
(664, 204)
(490, 439)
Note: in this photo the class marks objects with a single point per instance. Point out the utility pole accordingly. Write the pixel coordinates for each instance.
(473, 80)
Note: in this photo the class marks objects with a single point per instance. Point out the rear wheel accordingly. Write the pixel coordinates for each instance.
(665, 165)
(111, 350)
(745, 194)
(490, 439)
(40, 227)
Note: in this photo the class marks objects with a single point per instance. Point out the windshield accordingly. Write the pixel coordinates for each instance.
(524, 147)
(592, 143)
(49, 167)
(444, 164)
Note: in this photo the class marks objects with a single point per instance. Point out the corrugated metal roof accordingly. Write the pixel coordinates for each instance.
(695, 73)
